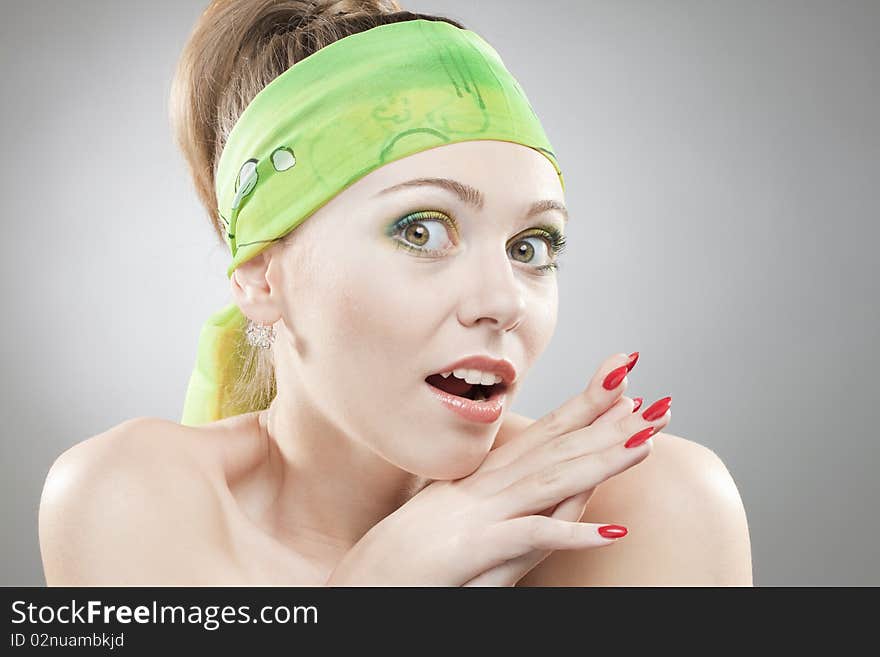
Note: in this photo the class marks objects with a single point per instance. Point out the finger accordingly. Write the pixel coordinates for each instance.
(622, 408)
(619, 425)
(552, 453)
(582, 409)
(512, 571)
(519, 536)
(569, 465)
(572, 508)
(492, 578)
(577, 412)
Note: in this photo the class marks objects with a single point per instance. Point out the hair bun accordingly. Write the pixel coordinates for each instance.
(329, 8)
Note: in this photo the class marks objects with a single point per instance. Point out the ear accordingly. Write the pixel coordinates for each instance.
(252, 291)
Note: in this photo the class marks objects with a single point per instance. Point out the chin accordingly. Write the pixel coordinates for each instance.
(448, 474)
(446, 450)
(455, 464)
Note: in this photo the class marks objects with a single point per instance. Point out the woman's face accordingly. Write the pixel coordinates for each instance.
(371, 305)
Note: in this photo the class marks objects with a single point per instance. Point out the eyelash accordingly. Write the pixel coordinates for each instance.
(556, 241)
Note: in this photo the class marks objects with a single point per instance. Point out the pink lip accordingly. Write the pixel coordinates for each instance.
(503, 368)
(476, 411)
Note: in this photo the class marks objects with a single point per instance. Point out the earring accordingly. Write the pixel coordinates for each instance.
(260, 335)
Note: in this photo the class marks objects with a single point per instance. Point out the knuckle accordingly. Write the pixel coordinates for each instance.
(553, 421)
(564, 445)
(550, 476)
(647, 448)
(605, 463)
(536, 529)
(623, 427)
(588, 404)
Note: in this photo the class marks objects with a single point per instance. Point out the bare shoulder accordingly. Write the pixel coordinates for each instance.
(686, 521)
(132, 505)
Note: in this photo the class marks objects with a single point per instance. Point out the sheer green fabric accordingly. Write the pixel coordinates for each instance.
(359, 103)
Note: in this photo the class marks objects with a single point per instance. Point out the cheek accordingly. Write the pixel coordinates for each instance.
(364, 316)
(376, 311)
(539, 324)
(370, 340)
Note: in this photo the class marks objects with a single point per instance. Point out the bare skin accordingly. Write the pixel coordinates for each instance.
(151, 502)
(282, 496)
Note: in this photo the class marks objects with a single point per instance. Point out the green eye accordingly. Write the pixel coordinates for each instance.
(524, 251)
(542, 244)
(427, 232)
(424, 231)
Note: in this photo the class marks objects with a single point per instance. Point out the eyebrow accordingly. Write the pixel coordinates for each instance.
(472, 196)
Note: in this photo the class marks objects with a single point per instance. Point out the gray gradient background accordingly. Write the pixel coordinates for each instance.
(722, 164)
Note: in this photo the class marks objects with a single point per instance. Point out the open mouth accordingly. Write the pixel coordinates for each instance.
(473, 391)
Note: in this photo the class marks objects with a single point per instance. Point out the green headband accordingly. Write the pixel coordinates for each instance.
(358, 103)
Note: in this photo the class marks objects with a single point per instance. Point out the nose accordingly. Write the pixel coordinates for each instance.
(491, 292)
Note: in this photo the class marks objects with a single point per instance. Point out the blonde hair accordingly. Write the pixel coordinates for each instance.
(234, 50)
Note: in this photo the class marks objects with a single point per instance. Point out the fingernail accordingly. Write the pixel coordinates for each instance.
(612, 531)
(631, 363)
(638, 438)
(657, 409)
(615, 377)
(638, 401)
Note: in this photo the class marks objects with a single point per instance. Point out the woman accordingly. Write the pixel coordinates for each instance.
(363, 437)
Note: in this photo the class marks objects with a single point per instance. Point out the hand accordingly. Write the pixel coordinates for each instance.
(570, 509)
(453, 532)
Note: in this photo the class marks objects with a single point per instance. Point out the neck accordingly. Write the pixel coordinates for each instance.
(323, 486)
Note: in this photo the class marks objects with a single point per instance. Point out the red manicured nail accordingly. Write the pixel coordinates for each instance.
(657, 409)
(638, 438)
(638, 401)
(612, 531)
(615, 377)
(633, 357)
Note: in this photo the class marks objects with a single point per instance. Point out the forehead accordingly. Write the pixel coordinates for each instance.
(488, 170)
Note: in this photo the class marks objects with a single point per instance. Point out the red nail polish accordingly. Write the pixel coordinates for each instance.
(638, 401)
(615, 377)
(612, 531)
(657, 409)
(631, 363)
(638, 438)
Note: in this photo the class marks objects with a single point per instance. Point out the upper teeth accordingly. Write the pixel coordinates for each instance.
(474, 376)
